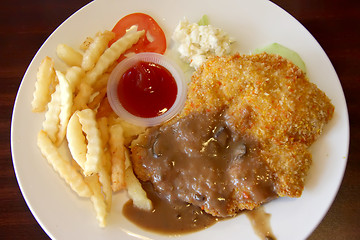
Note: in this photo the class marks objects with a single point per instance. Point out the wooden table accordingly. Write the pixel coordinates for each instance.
(25, 25)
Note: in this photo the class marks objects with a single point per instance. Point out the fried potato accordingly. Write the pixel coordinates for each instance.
(104, 131)
(78, 148)
(96, 48)
(85, 45)
(94, 103)
(104, 110)
(76, 140)
(105, 180)
(74, 75)
(65, 107)
(79, 111)
(69, 55)
(94, 144)
(45, 78)
(134, 188)
(105, 172)
(82, 97)
(117, 149)
(131, 131)
(97, 199)
(112, 54)
(52, 120)
(101, 82)
(62, 166)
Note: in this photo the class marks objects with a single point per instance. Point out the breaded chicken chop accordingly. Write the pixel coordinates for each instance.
(264, 98)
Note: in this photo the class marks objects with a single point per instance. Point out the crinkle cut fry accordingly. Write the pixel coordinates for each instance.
(62, 166)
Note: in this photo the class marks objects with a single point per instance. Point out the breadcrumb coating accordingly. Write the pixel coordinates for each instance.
(271, 99)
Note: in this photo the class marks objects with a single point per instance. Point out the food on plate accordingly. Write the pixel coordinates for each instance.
(136, 193)
(276, 48)
(147, 89)
(196, 43)
(204, 20)
(62, 165)
(66, 101)
(117, 149)
(82, 138)
(74, 75)
(94, 149)
(69, 55)
(153, 40)
(200, 160)
(170, 218)
(242, 138)
(97, 198)
(44, 85)
(270, 98)
(112, 53)
(95, 49)
(76, 141)
(51, 123)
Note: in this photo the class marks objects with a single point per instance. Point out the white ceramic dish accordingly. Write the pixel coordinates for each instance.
(253, 23)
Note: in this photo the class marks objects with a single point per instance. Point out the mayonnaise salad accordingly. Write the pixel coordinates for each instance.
(196, 43)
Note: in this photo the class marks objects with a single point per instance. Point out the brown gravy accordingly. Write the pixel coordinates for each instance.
(168, 218)
(260, 221)
(196, 169)
(200, 160)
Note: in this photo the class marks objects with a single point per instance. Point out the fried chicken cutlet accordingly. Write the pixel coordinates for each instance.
(260, 114)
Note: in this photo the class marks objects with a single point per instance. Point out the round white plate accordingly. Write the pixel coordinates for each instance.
(253, 23)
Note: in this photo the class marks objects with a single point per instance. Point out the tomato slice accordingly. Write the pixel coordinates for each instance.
(153, 40)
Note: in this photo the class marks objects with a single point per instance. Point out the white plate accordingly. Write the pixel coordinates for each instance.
(253, 23)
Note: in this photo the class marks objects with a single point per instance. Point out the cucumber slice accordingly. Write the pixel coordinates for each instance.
(276, 48)
(204, 21)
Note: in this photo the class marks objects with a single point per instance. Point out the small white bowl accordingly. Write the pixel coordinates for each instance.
(129, 62)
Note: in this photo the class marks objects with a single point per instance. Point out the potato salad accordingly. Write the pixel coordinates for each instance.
(196, 43)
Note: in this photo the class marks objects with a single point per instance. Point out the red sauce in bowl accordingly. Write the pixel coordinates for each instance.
(147, 90)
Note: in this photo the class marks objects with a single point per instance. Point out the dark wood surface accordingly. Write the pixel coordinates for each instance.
(25, 25)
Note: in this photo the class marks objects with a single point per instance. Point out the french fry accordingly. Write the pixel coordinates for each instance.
(111, 67)
(82, 98)
(96, 48)
(101, 82)
(104, 174)
(134, 188)
(78, 149)
(76, 166)
(52, 120)
(97, 199)
(131, 131)
(76, 140)
(74, 75)
(85, 45)
(117, 149)
(78, 109)
(62, 166)
(69, 55)
(112, 54)
(94, 151)
(104, 130)
(97, 99)
(104, 109)
(66, 106)
(45, 78)
(105, 180)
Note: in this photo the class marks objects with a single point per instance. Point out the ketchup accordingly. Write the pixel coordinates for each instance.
(147, 90)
